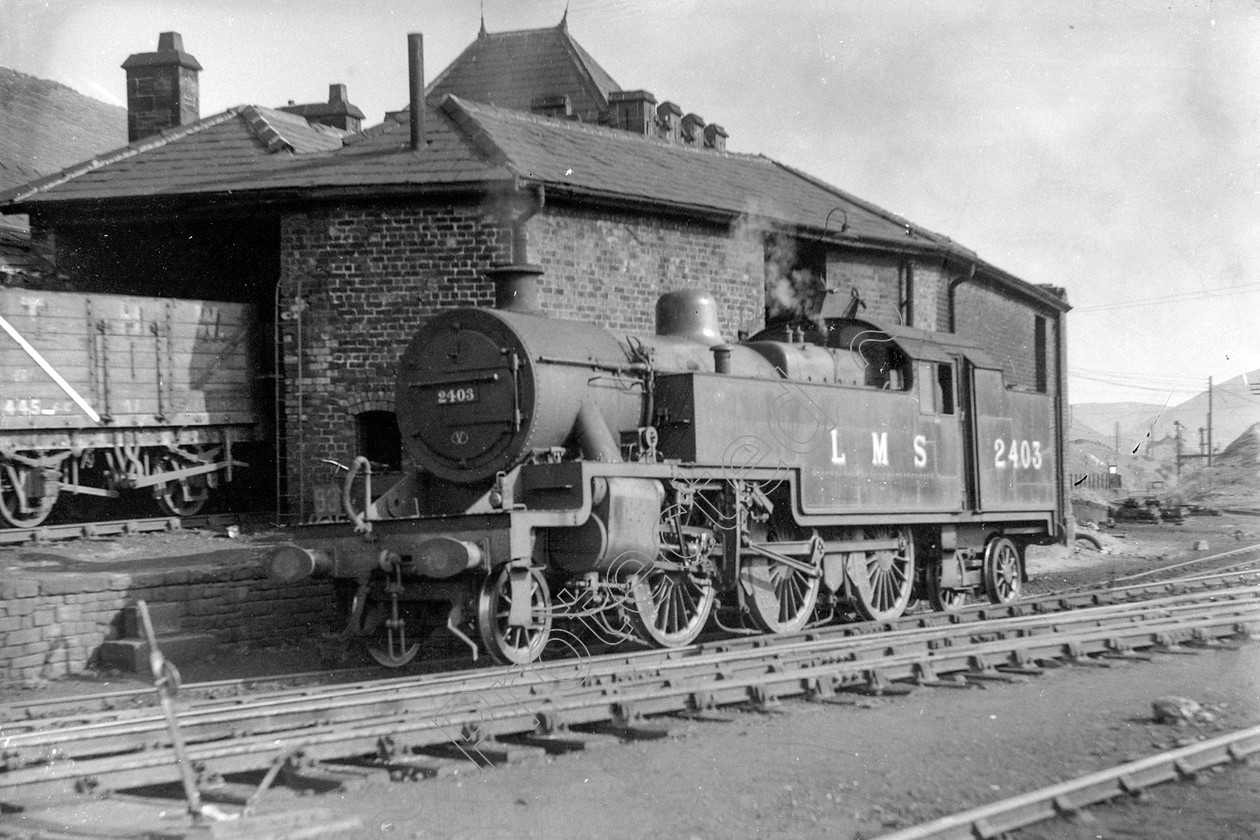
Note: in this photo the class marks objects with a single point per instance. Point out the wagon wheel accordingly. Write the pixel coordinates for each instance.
(783, 596)
(183, 496)
(20, 484)
(670, 607)
(942, 599)
(883, 578)
(1002, 580)
(515, 644)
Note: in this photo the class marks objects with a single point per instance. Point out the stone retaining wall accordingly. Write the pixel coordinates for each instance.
(52, 624)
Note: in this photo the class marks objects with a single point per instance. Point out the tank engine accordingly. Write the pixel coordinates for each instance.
(647, 485)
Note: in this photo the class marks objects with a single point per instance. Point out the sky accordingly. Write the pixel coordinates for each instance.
(1110, 147)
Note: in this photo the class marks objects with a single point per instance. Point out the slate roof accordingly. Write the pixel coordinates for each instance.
(250, 149)
(250, 153)
(511, 69)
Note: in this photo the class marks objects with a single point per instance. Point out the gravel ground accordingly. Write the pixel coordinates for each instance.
(837, 771)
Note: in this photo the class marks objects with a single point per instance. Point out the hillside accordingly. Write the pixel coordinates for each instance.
(46, 126)
(1234, 410)
(1233, 480)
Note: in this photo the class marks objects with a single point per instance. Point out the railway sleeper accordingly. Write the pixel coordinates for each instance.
(485, 752)
(925, 675)
(875, 684)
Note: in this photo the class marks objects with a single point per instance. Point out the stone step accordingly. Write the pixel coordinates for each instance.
(133, 654)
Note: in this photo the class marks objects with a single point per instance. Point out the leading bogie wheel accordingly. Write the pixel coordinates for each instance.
(669, 608)
(1002, 572)
(23, 487)
(509, 642)
(883, 578)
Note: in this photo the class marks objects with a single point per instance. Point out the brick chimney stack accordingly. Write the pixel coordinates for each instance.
(162, 88)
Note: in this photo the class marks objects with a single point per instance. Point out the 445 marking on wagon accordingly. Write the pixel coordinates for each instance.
(36, 407)
(1018, 454)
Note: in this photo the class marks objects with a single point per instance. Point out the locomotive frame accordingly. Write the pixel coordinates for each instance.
(643, 487)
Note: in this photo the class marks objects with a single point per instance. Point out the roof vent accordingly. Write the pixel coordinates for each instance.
(689, 314)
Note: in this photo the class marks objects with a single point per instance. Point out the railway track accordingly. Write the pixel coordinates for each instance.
(1069, 798)
(396, 725)
(115, 528)
(118, 703)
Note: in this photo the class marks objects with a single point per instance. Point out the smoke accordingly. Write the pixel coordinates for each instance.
(794, 272)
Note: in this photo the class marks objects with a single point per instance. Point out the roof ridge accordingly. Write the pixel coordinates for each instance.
(264, 131)
(465, 121)
(153, 141)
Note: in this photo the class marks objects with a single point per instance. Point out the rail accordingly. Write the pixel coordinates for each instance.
(391, 719)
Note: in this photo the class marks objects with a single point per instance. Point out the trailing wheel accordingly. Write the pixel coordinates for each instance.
(23, 500)
(514, 631)
(670, 607)
(884, 577)
(1002, 577)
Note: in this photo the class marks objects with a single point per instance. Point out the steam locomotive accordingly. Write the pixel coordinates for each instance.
(647, 486)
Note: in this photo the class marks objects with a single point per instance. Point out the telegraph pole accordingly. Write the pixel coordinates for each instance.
(1208, 421)
(1178, 427)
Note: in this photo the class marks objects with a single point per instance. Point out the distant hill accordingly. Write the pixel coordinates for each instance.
(1234, 410)
(1233, 480)
(46, 126)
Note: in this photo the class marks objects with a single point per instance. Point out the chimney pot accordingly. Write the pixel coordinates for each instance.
(715, 137)
(669, 122)
(693, 130)
(170, 42)
(633, 110)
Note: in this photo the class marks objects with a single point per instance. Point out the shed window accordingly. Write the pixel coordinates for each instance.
(379, 439)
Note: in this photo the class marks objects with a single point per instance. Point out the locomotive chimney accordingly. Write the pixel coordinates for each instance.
(415, 64)
(516, 287)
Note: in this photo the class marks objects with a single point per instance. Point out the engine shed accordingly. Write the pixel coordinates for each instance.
(346, 240)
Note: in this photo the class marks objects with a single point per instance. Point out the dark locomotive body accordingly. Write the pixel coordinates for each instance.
(109, 393)
(648, 485)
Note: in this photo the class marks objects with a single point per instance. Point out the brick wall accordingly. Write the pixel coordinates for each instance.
(609, 269)
(368, 275)
(1004, 327)
(53, 624)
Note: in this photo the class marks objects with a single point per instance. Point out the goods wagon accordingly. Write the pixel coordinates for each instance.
(108, 393)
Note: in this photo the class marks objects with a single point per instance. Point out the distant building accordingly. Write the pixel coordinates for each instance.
(347, 240)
